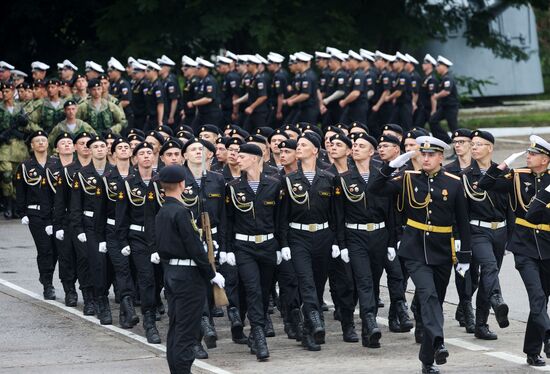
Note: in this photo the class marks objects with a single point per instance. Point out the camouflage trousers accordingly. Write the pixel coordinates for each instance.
(7, 168)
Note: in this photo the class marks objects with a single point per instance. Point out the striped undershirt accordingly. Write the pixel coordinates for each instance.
(198, 180)
(254, 185)
(365, 177)
(309, 175)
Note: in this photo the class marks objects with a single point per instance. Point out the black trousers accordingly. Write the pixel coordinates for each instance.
(185, 290)
(97, 262)
(421, 116)
(309, 114)
(257, 119)
(139, 122)
(377, 120)
(231, 275)
(121, 265)
(487, 255)
(214, 117)
(395, 279)
(145, 274)
(450, 114)
(333, 115)
(66, 252)
(356, 113)
(46, 257)
(342, 285)
(403, 116)
(293, 116)
(366, 248)
(535, 274)
(310, 257)
(431, 284)
(289, 292)
(188, 120)
(256, 265)
(159, 282)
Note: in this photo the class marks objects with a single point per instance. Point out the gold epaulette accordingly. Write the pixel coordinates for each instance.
(525, 170)
(412, 171)
(452, 176)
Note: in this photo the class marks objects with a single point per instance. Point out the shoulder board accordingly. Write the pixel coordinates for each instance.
(525, 170)
(397, 178)
(413, 172)
(452, 175)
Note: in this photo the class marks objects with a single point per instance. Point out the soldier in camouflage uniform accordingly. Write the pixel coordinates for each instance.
(100, 113)
(14, 128)
(48, 111)
(70, 124)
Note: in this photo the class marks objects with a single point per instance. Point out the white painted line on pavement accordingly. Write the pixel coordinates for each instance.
(515, 359)
(466, 344)
(160, 347)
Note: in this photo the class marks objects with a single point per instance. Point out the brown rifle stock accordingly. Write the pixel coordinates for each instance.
(220, 298)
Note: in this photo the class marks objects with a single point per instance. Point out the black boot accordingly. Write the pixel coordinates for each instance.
(482, 328)
(535, 360)
(316, 327)
(199, 351)
(289, 330)
(268, 329)
(104, 311)
(71, 297)
(393, 322)
(547, 347)
(237, 334)
(405, 322)
(8, 208)
(216, 312)
(150, 327)
(260, 344)
(429, 369)
(469, 318)
(128, 316)
(297, 322)
(441, 354)
(459, 315)
(501, 310)
(370, 333)
(49, 292)
(380, 303)
(208, 333)
(348, 327)
(419, 327)
(89, 303)
(324, 307)
(308, 341)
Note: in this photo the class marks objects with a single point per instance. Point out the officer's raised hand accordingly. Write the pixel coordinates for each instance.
(402, 159)
(513, 157)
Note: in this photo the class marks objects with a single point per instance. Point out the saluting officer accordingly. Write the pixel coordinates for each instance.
(530, 240)
(30, 184)
(488, 213)
(433, 201)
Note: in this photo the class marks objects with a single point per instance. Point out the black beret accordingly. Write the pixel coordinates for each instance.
(421, 129)
(94, 83)
(292, 128)
(389, 139)
(157, 135)
(342, 138)
(462, 133)
(171, 143)
(134, 137)
(237, 141)
(359, 125)
(313, 128)
(36, 134)
(252, 149)
(230, 126)
(172, 174)
(103, 76)
(280, 133)
(79, 75)
(82, 134)
(265, 131)
(333, 129)
(366, 137)
(211, 147)
(69, 102)
(256, 139)
(7, 86)
(206, 144)
(38, 83)
(53, 81)
(313, 138)
(184, 128)
(484, 135)
(222, 140)
(24, 85)
(341, 126)
(289, 143)
(165, 129)
(413, 134)
(68, 83)
(136, 131)
(184, 134)
(95, 139)
(239, 131)
(118, 140)
(393, 127)
(63, 135)
(108, 134)
(302, 125)
(141, 146)
(209, 128)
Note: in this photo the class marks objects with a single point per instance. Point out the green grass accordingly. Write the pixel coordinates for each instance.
(507, 120)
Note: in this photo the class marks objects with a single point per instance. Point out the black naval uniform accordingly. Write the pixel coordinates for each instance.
(139, 104)
(30, 184)
(432, 205)
(279, 86)
(155, 95)
(447, 108)
(378, 119)
(257, 88)
(402, 110)
(186, 273)
(209, 114)
(122, 91)
(309, 109)
(171, 92)
(190, 93)
(337, 82)
(357, 109)
(530, 244)
(230, 87)
(488, 225)
(424, 102)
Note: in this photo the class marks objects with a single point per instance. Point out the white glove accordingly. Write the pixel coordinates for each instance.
(102, 247)
(215, 245)
(506, 252)
(547, 189)
(513, 158)
(398, 244)
(125, 251)
(49, 230)
(391, 253)
(285, 253)
(223, 258)
(279, 258)
(219, 280)
(82, 237)
(231, 260)
(205, 246)
(335, 251)
(402, 159)
(25, 220)
(462, 269)
(458, 245)
(60, 234)
(344, 255)
(155, 258)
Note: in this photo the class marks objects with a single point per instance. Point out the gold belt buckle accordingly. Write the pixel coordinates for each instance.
(370, 226)
(312, 227)
(429, 228)
(258, 239)
(494, 225)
